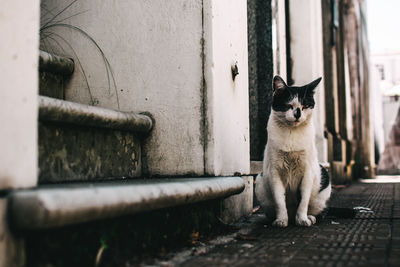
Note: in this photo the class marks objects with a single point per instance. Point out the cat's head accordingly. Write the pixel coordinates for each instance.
(293, 105)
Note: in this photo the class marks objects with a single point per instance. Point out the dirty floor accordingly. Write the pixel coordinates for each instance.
(362, 228)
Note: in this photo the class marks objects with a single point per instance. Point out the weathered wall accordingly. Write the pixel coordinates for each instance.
(261, 67)
(279, 37)
(11, 247)
(348, 113)
(376, 104)
(354, 12)
(227, 104)
(390, 159)
(306, 51)
(390, 108)
(19, 24)
(66, 154)
(159, 51)
(155, 50)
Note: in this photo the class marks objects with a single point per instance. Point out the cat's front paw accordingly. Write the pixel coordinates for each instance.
(305, 220)
(312, 218)
(280, 223)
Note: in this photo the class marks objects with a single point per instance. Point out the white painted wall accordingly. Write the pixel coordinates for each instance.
(390, 109)
(156, 51)
(376, 104)
(154, 48)
(391, 66)
(228, 146)
(307, 56)
(348, 104)
(19, 27)
(385, 107)
(279, 38)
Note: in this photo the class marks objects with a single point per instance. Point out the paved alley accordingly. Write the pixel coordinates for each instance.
(362, 228)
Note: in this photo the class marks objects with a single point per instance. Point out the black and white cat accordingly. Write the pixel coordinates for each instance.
(292, 186)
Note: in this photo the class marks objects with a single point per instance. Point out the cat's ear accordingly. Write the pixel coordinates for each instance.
(278, 84)
(312, 85)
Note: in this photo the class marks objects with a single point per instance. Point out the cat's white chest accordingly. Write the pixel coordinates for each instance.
(292, 140)
(291, 167)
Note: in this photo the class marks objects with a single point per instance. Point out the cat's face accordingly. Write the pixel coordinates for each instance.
(293, 105)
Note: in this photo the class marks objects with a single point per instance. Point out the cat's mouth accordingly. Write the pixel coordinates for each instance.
(295, 123)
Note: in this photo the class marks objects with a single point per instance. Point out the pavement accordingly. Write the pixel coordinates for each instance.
(361, 228)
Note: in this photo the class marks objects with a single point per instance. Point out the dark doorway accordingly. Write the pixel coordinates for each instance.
(259, 21)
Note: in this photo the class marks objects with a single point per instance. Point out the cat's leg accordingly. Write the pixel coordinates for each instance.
(278, 195)
(302, 217)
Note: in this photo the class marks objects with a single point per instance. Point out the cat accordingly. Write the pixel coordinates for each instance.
(292, 186)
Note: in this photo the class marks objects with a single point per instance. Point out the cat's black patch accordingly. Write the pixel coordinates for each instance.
(283, 94)
(325, 181)
(306, 96)
(280, 101)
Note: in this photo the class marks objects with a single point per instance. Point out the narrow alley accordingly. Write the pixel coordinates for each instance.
(132, 133)
(362, 228)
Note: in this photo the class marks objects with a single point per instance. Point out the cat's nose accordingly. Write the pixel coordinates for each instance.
(297, 113)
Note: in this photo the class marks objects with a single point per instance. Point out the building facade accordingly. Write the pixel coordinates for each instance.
(172, 89)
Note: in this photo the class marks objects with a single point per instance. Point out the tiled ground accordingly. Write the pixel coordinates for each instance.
(369, 236)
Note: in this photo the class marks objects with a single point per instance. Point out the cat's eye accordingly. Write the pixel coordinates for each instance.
(289, 106)
(304, 107)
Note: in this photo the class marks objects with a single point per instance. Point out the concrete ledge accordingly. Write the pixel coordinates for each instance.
(66, 204)
(239, 205)
(55, 64)
(57, 110)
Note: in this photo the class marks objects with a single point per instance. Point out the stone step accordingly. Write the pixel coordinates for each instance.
(61, 205)
(54, 71)
(84, 143)
(55, 110)
(55, 64)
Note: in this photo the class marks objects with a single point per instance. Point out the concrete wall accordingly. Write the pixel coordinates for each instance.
(384, 86)
(376, 104)
(261, 70)
(306, 50)
(279, 37)
(390, 108)
(159, 52)
(155, 50)
(389, 64)
(227, 148)
(19, 25)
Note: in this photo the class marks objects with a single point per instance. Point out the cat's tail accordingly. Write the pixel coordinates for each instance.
(325, 179)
